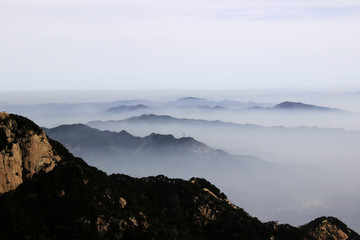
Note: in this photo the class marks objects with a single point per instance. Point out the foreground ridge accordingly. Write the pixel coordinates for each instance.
(64, 198)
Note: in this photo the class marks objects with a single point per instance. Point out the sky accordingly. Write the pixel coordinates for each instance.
(179, 44)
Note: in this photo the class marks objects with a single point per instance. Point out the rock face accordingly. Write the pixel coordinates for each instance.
(328, 228)
(24, 151)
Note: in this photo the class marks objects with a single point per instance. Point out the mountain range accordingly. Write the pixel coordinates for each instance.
(153, 154)
(247, 139)
(301, 106)
(124, 108)
(261, 113)
(303, 185)
(58, 196)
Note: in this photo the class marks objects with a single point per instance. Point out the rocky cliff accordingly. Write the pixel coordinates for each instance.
(328, 228)
(24, 151)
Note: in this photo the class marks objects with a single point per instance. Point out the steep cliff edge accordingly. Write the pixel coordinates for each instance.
(24, 151)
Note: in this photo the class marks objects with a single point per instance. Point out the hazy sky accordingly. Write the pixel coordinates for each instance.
(181, 44)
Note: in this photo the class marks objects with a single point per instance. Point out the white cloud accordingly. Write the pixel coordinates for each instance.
(312, 203)
(307, 204)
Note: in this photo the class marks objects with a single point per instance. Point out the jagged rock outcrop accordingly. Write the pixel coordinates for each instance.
(24, 151)
(328, 228)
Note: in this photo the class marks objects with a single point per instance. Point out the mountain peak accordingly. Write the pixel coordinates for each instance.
(124, 108)
(300, 106)
(324, 228)
(151, 117)
(191, 99)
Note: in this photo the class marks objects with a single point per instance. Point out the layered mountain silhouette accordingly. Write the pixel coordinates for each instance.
(301, 106)
(304, 187)
(296, 106)
(53, 114)
(203, 103)
(153, 154)
(75, 201)
(153, 121)
(125, 108)
(254, 139)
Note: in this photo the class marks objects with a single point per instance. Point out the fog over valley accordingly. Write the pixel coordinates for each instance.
(53, 108)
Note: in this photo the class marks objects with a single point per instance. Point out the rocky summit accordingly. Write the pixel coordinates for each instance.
(24, 151)
(47, 193)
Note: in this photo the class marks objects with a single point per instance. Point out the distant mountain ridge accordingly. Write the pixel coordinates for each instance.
(191, 99)
(194, 102)
(54, 114)
(124, 108)
(82, 134)
(296, 106)
(302, 106)
(157, 151)
(76, 201)
(167, 119)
